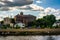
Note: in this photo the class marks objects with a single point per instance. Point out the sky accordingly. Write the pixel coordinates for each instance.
(49, 3)
(38, 8)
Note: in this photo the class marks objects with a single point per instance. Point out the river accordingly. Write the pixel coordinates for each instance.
(30, 37)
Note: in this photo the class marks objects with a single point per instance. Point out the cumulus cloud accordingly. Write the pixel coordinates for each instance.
(36, 7)
(49, 11)
(3, 16)
(15, 2)
(7, 8)
(43, 11)
(6, 5)
(38, 1)
(32, 7)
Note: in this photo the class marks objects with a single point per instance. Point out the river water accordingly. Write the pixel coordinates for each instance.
(30, 37)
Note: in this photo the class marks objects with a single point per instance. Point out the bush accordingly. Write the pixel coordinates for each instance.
(33, 26)
(3, 27)
(17, 27)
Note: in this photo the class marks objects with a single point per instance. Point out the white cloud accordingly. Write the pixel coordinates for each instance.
(49, 11)
(25, 7)
(36, 7)
(38, 1)
(10, 0)
(41, 15)
(2, 16)
(1, 3)
(15, 2)
(32, 7)
(8, 8)
(44, 11)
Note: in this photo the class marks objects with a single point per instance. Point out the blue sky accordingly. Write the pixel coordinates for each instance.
(38, 8)
(49, 3)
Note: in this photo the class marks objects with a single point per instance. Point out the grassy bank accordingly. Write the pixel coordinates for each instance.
(30, 31)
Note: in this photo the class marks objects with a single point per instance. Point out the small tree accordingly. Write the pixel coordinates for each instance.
(34, 26)
(2, 22)
(17, 27)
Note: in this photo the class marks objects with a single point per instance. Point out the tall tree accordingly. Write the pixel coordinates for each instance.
(51, 18)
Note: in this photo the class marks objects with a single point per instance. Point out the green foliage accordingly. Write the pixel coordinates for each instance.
(59, 20)
(2, 22)
(4, 27)
(45, 22)
(17, 27)
(8, 25)
(50, 18)
(34, 26)
(12, 20)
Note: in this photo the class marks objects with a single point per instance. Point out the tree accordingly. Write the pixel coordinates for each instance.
(46, 21)
(2, 22)
(51, 18)
(42, 23)
(12, 20)
(59, 20)
(30, 24)
(17, 27)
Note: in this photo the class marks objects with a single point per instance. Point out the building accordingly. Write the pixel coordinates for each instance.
(20, 18)
(57, 23)
(21, 25)
(7, 20)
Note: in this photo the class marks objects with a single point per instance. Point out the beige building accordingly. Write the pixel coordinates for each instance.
(7, 20)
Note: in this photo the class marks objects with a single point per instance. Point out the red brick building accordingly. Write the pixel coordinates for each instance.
(20, 18)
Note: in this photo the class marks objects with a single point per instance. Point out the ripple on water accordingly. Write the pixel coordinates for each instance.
(30, 38)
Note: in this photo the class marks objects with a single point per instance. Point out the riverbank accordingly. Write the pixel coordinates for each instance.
(30, 31)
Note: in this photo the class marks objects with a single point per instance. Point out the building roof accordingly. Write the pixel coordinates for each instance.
(27, 16)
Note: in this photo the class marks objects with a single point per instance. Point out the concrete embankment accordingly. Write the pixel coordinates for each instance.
(29, 31)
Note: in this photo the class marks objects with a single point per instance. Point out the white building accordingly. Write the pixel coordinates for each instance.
(57, 23)
(20, 25)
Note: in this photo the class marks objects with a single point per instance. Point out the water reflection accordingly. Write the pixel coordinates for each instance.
(30, 38)
(50, 38)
